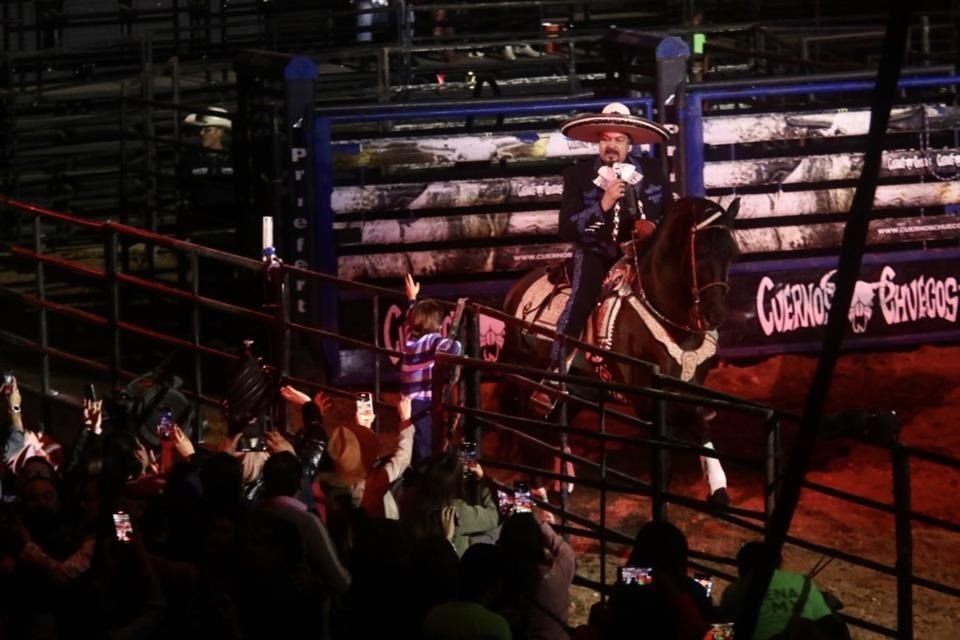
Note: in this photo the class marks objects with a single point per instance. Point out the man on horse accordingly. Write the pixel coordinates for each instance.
(601, 203)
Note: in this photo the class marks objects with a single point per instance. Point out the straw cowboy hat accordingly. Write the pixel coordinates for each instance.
(354, 450)
(209, 119)
(614, 117)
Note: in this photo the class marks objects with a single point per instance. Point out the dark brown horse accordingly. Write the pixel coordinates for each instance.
(663, 303)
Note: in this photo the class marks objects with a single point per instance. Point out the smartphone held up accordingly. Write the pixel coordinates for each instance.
(468, 457)
(705, 581)
(9, 381)
(365, 413)
(165, 424)
(122, 527)
(522, 502)
(640, 576)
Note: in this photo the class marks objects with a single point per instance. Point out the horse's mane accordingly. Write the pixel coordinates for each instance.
(662, 253)
(677, 218)
(680, 216)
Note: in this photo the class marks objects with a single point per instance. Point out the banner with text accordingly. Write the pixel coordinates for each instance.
(899, 298)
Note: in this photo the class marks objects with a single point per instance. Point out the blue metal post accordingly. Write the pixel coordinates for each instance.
(326, 249)
(309, 223)
(691, 128)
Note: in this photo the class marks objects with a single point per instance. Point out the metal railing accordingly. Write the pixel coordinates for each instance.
(111, 277)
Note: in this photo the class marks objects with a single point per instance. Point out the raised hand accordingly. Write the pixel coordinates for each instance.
(277, 443)
(93, 415)
(411, 287)
(323, 402)
(229, 445)
(448, 517)
(13, 395)
(182, 443)
(294, 396)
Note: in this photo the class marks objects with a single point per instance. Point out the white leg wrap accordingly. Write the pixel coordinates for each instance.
(568, 470)
(713, 470)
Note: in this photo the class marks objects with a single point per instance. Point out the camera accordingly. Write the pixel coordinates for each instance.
(641, 576)
(468, 456)
(122, 526)
(365, 405)
(253, 437)
(522, 503)
(705, 581)
(246, 444)
(165, 426)
(720, 631)
(504, 503)
(90, 393)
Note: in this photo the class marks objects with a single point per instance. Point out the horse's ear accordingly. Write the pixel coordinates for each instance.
(732, 210)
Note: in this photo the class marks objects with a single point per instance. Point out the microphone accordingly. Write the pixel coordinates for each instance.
(617, 171)
(616, 206)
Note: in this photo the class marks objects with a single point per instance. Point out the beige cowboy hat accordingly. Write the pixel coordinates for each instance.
(614, 117)
(354, 450)
(209, 119)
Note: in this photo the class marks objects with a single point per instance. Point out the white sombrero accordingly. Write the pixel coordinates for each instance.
(209, 120)
(615, 117)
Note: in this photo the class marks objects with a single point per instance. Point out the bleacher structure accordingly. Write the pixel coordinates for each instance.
(93, 125)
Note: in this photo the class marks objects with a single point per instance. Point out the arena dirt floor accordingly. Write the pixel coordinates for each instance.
(921, 387)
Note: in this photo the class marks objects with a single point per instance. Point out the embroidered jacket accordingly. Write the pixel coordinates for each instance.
(582, 220)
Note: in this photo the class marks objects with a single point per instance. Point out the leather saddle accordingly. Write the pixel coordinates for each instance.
(618, 283)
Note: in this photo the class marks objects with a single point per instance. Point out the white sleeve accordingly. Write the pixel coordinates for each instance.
(400, 459)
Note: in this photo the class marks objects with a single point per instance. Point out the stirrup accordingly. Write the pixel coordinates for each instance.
(546, 402)
(543, 402)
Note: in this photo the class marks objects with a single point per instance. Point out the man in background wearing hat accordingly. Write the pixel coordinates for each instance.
(208, 215)
(602, 201)
(206, 175)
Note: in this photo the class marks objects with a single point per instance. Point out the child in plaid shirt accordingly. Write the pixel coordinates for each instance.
(422, 341)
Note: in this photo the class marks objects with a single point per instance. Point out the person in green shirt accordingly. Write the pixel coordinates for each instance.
(447, 485)
(783, 595)
(468, 617)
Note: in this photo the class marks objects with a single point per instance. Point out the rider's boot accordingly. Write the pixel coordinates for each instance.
(544, 402)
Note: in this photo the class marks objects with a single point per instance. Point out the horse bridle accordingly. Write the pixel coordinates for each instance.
(696, 315)
(696, 324)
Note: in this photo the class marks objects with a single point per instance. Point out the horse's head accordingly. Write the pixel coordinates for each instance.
(687, 264)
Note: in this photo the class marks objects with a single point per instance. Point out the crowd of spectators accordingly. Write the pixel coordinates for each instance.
(320, 534)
